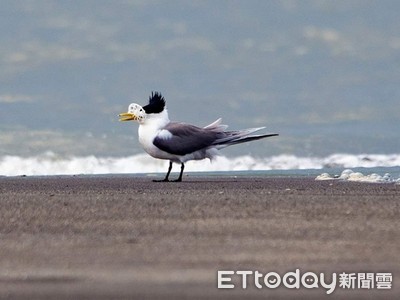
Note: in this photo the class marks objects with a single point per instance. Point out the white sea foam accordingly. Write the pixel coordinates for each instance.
(50, 163)
(350, 175)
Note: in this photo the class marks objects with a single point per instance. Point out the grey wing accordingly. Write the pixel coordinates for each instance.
(184, 139)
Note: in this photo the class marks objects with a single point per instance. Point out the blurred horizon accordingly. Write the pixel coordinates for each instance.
(323, 74)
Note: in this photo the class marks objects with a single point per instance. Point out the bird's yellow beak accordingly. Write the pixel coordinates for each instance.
(127, 117)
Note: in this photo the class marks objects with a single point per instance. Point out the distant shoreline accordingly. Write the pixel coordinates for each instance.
(291, 173)
(50, 163)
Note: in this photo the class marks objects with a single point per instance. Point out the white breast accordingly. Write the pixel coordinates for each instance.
(146, 138)
(148, 132)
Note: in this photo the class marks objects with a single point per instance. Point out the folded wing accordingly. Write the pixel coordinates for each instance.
(182, 139)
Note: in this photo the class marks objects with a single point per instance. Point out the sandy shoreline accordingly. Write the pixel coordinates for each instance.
(123, 237)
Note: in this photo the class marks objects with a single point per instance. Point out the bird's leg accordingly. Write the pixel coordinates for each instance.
(166, 177)
(180, 175)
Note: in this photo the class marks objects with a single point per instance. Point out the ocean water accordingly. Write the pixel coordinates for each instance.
(333, 166)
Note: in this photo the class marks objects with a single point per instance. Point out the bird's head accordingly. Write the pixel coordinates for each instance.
(135, 113)
(138, 113)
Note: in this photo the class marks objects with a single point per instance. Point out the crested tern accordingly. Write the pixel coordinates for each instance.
(181, 142)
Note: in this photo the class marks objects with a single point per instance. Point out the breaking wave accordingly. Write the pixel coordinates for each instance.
(50, 163)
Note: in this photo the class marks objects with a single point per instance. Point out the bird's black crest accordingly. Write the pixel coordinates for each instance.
(156, 103)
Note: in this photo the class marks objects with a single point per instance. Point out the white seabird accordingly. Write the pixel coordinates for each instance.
(180, 142)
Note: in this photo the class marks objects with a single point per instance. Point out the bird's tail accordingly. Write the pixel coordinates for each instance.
(229, 138)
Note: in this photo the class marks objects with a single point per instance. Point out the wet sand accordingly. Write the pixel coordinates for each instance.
(125, 237)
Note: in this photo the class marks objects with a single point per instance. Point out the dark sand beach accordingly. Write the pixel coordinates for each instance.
(125, 237)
